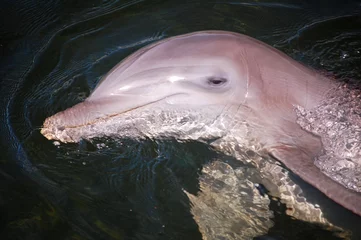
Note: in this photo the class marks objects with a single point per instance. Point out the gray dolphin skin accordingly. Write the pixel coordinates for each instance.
(210, 85)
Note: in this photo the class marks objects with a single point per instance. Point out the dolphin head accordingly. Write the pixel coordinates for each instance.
(194, 78)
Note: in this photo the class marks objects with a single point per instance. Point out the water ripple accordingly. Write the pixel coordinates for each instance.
(55, 52)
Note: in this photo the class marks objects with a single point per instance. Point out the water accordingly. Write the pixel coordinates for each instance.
(53, 54)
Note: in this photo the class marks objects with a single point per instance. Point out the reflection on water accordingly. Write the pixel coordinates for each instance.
(53, 54)
(125, 189)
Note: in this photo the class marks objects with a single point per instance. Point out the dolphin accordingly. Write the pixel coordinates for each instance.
(210, 85)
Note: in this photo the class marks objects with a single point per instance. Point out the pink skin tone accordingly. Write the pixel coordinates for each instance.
(217, 68)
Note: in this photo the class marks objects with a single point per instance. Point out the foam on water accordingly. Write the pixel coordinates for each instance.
(338, 122)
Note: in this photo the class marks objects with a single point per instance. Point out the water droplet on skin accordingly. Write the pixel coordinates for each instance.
(345, 164)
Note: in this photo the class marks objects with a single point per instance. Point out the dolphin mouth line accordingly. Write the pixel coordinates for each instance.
(117, 114)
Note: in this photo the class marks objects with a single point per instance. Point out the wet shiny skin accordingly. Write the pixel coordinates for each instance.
(208, 75)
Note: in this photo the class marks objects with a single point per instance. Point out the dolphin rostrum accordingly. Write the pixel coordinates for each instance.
(210, 85)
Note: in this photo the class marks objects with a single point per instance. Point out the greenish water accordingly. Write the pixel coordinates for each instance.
(53, 53)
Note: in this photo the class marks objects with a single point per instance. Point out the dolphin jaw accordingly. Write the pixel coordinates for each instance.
(53, 130)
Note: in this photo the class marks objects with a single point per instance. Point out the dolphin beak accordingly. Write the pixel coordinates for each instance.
(91, 112)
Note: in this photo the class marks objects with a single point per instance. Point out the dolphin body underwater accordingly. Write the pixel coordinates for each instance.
(211, 85)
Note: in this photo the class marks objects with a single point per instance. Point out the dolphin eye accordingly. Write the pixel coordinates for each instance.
(216, 81)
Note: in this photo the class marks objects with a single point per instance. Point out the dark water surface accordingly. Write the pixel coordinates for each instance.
(53, 53)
